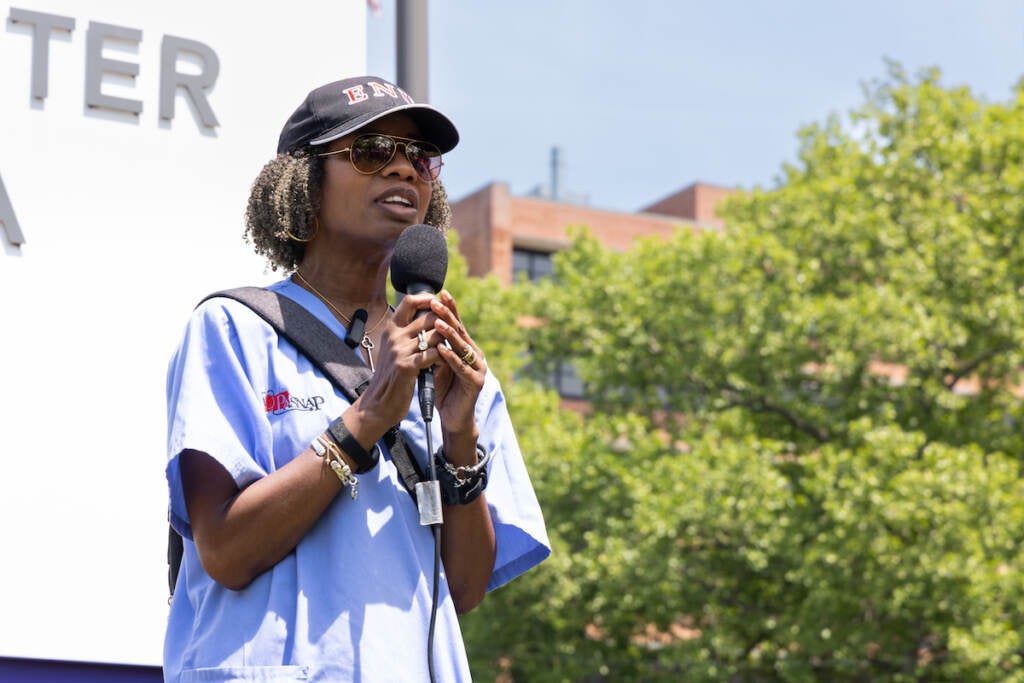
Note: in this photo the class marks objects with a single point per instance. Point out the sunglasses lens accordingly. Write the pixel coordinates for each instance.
(371, 153)
(425, 158)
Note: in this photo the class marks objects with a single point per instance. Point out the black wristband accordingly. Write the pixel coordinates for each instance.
(464, 484)
(453, 494)
(348, 444)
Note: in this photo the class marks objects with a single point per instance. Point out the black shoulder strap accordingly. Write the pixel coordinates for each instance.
(175, 550)
(332, 357)
(310, 336)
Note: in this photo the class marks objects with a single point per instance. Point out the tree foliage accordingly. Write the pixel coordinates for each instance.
(803, 461)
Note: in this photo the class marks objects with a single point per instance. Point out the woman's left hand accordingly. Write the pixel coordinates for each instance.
(459, 379)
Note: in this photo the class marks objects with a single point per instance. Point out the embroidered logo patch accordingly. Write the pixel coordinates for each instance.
(283, 402)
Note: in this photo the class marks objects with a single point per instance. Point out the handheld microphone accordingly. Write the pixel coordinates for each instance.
(419, 264)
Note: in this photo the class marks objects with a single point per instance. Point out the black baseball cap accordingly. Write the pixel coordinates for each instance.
(344, 106)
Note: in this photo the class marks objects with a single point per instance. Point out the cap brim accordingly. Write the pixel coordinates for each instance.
(434, 126)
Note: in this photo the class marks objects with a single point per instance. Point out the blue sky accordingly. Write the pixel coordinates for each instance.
(644, 97)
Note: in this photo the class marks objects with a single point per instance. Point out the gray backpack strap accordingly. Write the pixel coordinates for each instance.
(332, 356)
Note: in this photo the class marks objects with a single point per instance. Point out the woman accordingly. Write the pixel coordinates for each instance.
(282, 577)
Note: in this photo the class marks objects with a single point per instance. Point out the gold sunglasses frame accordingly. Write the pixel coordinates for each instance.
(398, 141)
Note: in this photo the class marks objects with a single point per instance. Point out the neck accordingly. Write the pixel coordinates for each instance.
(348, 286)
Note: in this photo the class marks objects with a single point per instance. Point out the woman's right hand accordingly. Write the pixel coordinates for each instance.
(385, 402)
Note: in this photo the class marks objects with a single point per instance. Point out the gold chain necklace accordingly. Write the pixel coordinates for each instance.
(366, 342)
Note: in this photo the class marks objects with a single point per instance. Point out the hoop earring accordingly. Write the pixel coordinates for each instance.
(312, 234)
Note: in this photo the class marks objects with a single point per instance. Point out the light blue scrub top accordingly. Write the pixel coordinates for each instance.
(352, 601)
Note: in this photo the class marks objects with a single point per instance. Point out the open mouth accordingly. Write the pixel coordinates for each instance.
(396, 200)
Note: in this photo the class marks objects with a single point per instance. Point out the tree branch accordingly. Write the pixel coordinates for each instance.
(760, 404)
(971, 366)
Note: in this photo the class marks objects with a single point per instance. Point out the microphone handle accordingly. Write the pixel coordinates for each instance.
(425, 381)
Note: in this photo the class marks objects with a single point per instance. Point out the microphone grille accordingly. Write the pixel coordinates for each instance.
(420, 257)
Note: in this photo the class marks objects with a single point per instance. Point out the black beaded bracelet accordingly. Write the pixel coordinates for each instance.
(364, 461)
(461, 485)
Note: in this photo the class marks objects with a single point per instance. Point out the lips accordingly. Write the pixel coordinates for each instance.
(399, 198)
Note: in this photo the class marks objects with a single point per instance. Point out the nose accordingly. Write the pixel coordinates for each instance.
(400, 165)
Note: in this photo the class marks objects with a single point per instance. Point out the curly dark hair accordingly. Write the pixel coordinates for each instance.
(285, 198)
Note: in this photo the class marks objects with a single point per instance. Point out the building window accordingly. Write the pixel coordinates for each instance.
(566, 381)
(536, 265)
(560, 375)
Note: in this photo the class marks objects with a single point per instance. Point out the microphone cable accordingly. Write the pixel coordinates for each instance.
(429, 501)
(435, 530)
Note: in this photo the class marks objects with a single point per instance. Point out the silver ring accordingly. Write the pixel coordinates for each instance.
(422, 336)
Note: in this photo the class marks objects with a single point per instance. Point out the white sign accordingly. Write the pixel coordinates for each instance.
(131, 135)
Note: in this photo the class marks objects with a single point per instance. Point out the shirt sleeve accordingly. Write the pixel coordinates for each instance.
(522, 540)
(215, 393)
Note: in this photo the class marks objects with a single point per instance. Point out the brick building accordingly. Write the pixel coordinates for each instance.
(506, 235)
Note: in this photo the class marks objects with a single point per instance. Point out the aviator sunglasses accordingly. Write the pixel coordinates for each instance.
(370, 153)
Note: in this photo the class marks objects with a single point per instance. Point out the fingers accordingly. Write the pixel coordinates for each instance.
(409, 306)
(450, 325)
(461, 353)
(469, 363)
(414, 337)
(423, 338)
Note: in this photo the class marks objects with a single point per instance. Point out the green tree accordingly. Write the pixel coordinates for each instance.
(803, 461)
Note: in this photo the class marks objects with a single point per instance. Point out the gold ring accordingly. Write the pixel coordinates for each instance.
(422, 336)
(469, 357)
